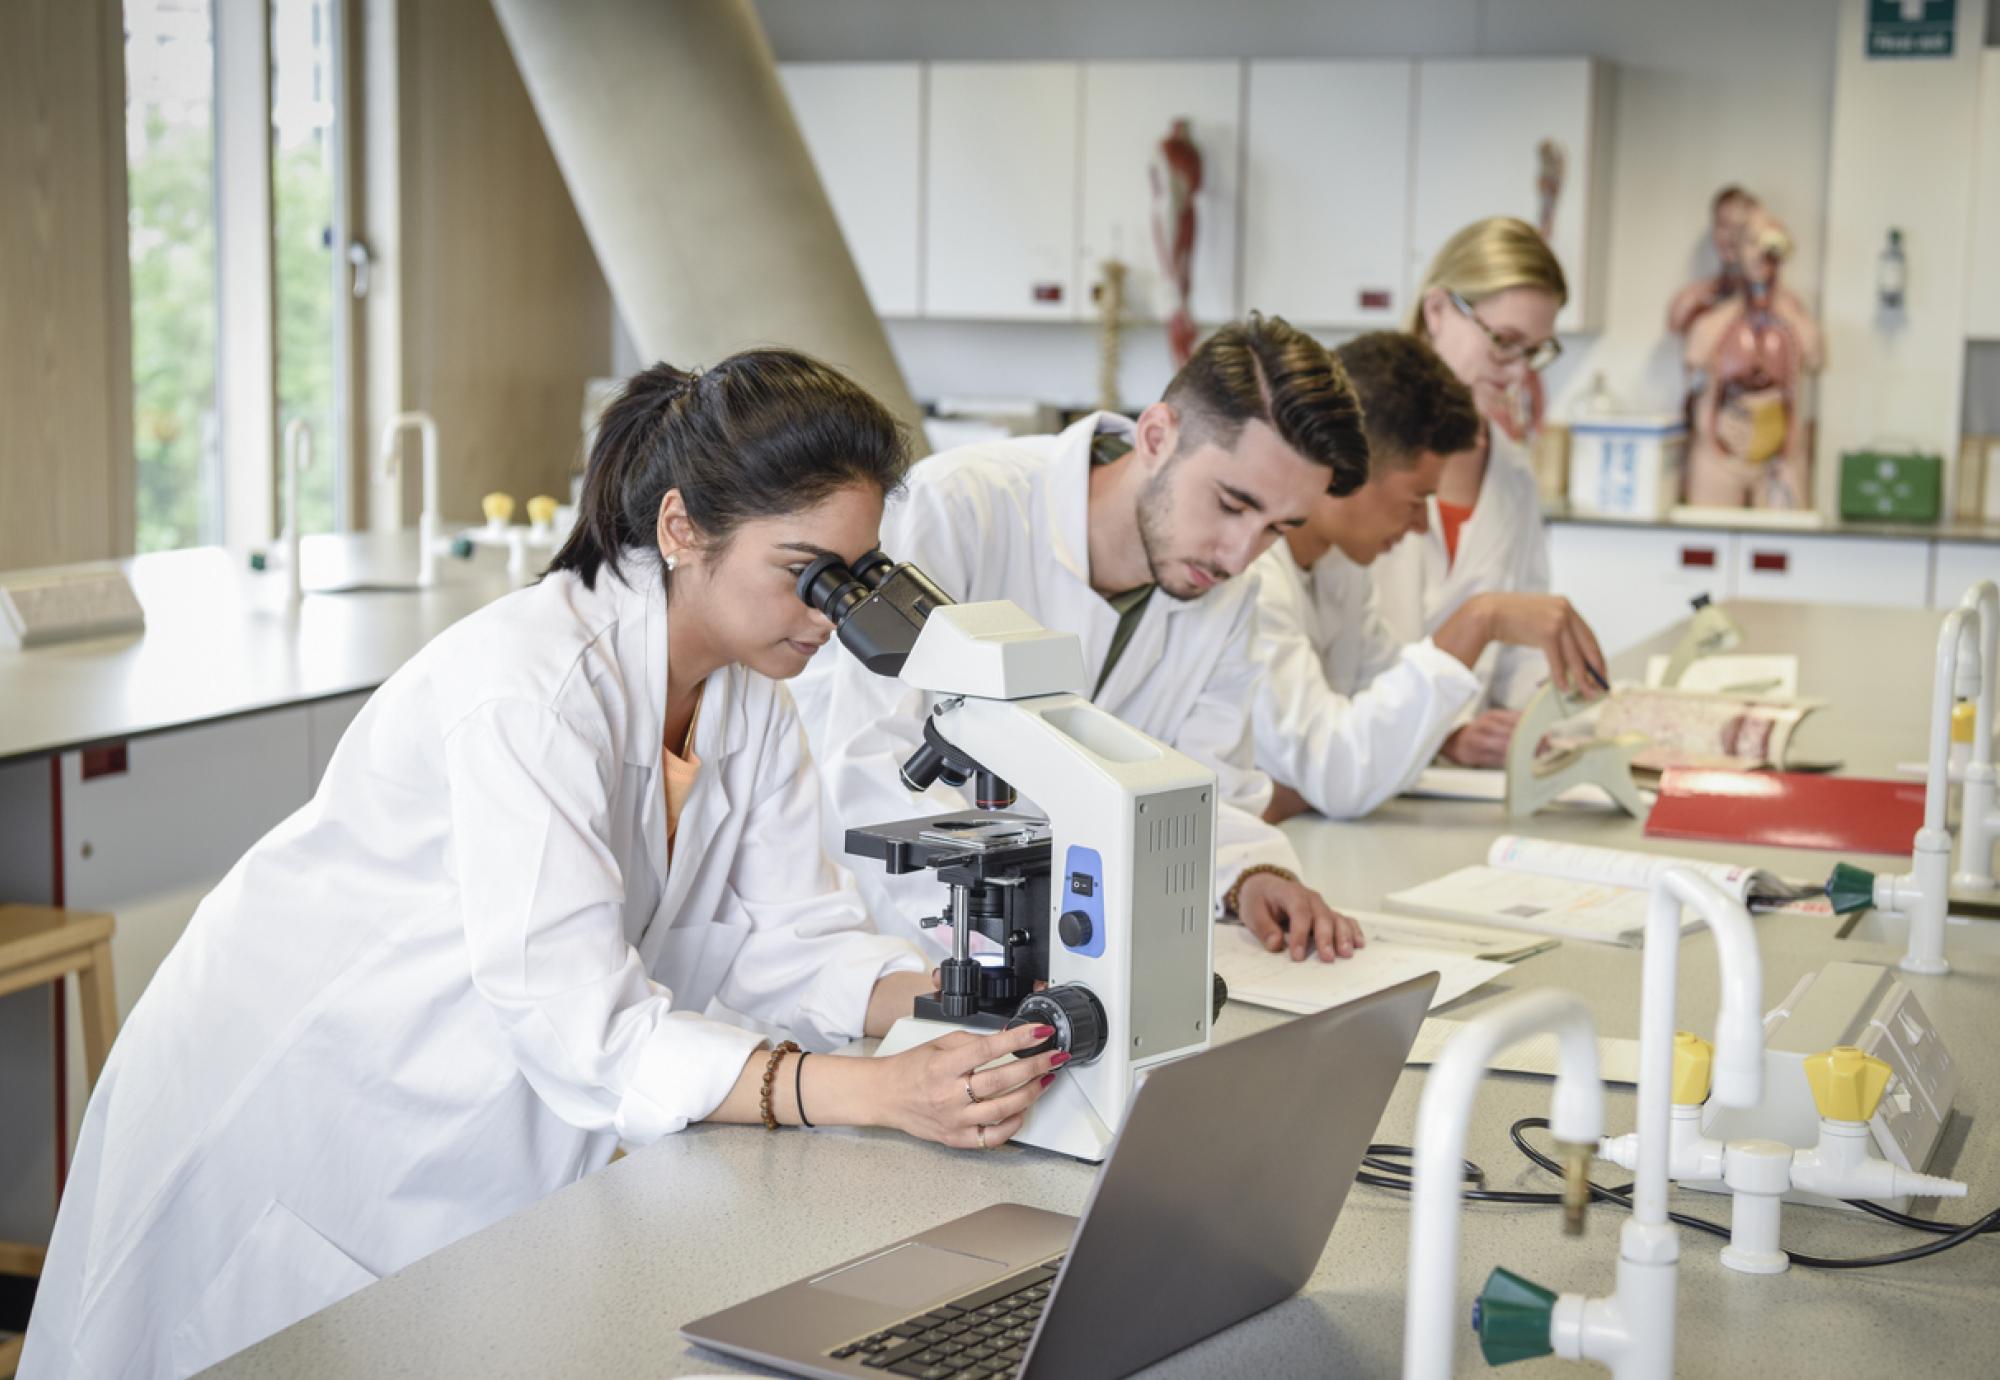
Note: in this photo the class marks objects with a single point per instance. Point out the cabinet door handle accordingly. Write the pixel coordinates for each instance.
(1702, 556)
(1777, 562)
(107, 759)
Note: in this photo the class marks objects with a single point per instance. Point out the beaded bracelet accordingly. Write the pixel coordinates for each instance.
(770, 1073)
(1229, 900)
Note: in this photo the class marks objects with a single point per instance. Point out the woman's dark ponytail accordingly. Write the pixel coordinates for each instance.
(763, 433)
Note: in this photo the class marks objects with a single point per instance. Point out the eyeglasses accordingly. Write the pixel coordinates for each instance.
(1539, 356)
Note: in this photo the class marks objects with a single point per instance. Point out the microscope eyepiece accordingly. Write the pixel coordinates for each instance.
(876, 606)
(831, 587)
(873, 568)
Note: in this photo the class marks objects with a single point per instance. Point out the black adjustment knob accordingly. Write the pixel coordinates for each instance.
(1074, 927)
(1077, 1016)
(958, 987)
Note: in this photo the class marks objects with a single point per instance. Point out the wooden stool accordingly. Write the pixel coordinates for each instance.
(39, 944)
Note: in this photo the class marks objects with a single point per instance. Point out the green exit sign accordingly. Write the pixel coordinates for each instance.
(1911, 28)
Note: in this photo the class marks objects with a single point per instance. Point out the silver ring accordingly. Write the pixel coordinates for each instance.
(970, 1095)
(980, 1131)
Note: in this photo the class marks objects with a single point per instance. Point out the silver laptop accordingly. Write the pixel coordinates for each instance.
(1176, 1242)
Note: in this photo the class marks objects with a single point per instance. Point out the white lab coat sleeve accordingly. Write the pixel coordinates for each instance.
(873, 723)
(1347, 754)
(1217, 733)
(1520, 671)
(542, 895)
(810, 961)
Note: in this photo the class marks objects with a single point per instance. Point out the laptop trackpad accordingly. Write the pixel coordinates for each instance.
(911, 1274)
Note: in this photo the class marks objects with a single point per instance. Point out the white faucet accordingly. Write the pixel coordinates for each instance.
(1847, 1086)
(1979, 819)
(427, 520)
(1632, 1330)
(298, 458)
(1576, 1116)
(1923, 893)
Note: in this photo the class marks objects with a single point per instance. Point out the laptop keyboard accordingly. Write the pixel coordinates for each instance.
(984, 1333)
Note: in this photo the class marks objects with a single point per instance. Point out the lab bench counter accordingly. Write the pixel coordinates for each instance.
(221, 642)
(597, 1278)
(1945, 529)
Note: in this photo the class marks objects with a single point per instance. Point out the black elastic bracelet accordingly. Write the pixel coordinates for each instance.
(798, 1077)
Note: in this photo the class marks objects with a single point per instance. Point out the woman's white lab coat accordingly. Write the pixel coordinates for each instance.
(1502, 548)
(1008, 520)
(1346, 714)
(451, 983)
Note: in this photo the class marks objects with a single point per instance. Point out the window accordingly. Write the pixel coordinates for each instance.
(170, 171)
(304, 158)
(191, 482)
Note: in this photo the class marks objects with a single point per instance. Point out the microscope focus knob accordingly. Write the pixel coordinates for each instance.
(1847, 1085)
(1074, 927)
(1077, 1016)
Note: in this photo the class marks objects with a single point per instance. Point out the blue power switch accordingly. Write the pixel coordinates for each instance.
(1080, 909)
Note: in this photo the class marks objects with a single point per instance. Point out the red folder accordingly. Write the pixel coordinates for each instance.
(1842, 814)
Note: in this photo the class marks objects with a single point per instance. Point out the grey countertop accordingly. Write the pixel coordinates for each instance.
(597, 1278)
(220, 641)
(1945, 529)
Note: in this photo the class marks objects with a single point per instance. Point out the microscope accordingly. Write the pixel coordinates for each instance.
(1096, 910)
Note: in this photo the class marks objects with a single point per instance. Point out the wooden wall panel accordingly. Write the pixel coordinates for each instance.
(504, 311)
(66, 467)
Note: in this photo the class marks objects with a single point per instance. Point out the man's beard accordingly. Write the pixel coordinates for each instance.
(1156, 508)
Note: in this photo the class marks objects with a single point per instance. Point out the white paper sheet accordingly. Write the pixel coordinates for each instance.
(1534, 903)
(1274, 980)
(1618, 1060)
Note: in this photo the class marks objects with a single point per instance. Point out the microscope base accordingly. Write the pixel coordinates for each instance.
(1062, 1119)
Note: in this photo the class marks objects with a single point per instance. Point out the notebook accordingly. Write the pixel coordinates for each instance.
(1395, 952)
(1576, 891)
(1840, 814)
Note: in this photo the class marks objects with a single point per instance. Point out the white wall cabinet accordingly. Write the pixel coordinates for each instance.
(150, 826)
(1481, 127)
(1000, 174)
(1128, 109)
(1326, 191)
(1630, 582)
(1882, 571)
(1957, 565)
(326, 721)
(1982, 307)
(863, 122)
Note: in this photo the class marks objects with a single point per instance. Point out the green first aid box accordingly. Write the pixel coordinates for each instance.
(1890, 488)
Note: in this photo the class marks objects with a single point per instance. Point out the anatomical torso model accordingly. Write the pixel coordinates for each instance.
(1749, 347)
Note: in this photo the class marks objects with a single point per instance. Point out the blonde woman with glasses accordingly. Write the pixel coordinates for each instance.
(1488, 307)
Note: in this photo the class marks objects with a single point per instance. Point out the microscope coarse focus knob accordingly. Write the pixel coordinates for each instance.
(1847, 1085)
(1078, 1018)
(1694, 1060)
(1074, 927)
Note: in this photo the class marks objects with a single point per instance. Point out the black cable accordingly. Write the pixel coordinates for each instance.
(1377, 1157)
(1953, 1234)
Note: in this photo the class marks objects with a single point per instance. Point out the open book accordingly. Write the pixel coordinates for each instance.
(1398, 948)
(1575, 891)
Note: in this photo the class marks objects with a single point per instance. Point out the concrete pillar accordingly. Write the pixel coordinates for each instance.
(694, 184)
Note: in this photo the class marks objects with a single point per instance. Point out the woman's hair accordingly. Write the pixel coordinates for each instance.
(763, 433)
(1488, 257)
(1265, 369)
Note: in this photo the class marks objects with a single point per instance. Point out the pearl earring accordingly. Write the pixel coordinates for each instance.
(672, 561)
